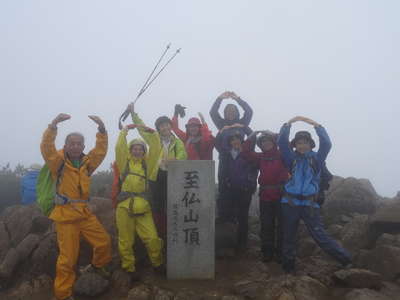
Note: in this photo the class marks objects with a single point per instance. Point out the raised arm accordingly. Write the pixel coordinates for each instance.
(98, 153)
(248, 112)
(47, 147)
(284, 145)
(325, 143)
(122, 150)
(219, 122)
(175, 128)
(248, 149)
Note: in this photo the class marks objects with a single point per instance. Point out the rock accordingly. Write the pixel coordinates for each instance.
(359, 278)
(384, 260)
(232, 297)
(348, 196)
(335, 230)
(161, 294)
(387, 219)
(121, 280)
(9, 263)
(4, 241)
(40, 224)
(90, 284)
(140, 292)
(355, 233)
(22, 292)
(184, 295)
(388, 240)
(299, 288)
(42, 283)
(248, 288)
(319, 268)
(19, 222)
(25, 248)
(44, 257)
(365, 294)
(306, 247)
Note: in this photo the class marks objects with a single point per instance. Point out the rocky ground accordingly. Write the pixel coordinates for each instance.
(356, 216)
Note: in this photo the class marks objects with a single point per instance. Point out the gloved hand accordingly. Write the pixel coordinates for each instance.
(180, 110)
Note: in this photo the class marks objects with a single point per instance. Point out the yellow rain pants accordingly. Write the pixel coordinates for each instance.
(144, 226)
(68, 237)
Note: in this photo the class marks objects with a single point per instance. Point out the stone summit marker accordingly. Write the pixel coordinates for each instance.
(191, 220)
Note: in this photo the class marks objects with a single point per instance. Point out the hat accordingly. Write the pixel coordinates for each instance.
(161, 120)
(302, 135)
(193, 121)
(267, 136)
(138, 142)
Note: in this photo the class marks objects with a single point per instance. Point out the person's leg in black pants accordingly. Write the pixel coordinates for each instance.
(267, 221)
(242, 200)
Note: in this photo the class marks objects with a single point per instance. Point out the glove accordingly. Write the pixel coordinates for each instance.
(179, 110)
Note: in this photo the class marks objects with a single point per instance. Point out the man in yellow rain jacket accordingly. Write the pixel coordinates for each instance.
(133, 213)
(172, 148)
(71, 169)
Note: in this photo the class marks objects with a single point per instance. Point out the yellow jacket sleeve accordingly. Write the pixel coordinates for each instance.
(49, 152)
(151, 138)
(180, 150)
(98, 153)
(122, 151)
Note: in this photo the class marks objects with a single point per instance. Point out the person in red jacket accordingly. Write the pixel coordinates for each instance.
(198, 139)
(273, 174)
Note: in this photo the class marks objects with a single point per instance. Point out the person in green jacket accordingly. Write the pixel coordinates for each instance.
(172, 148)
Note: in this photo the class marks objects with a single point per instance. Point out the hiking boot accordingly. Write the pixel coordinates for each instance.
(102, 271)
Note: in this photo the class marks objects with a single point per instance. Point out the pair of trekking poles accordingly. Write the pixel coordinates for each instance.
(150, 79)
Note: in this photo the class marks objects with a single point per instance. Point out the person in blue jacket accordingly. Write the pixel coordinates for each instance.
(28, 184)
(298, 201)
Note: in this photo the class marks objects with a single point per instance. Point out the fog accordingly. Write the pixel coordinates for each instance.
(336, 62)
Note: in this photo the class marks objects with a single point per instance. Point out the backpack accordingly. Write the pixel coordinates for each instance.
(325, 178)
(46, 188)
(118, 181)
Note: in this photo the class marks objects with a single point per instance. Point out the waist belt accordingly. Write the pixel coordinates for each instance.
(125, 195)
(291, 197)
(62, 200)
(271, 186)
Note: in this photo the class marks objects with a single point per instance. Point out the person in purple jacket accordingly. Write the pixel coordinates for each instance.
(239, 179)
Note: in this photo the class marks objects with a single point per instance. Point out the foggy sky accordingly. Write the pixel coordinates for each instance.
(336, 62)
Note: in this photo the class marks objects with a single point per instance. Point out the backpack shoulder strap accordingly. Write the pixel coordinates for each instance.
(60, 173)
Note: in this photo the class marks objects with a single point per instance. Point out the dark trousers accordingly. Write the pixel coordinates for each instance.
(233, 206)
(291, 215)
(271, 229)
(159, 203)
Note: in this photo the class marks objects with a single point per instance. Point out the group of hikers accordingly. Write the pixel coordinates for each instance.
(288, 172)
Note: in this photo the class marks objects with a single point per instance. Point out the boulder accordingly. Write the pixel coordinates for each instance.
(359, 278)
(335, 231)
(161, 294)
(9, 263)
(44, 257)
(90, 284)
(25, 248)
(19, 222)
(294, 287)
(4, 241)
(384, 260)
(355, 234)
(387, 218)
(140, 292)
(388, 240)
(249, 289)
(365, 294)
(348, 196)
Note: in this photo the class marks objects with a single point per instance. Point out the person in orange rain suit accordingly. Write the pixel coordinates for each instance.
(71, 214)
